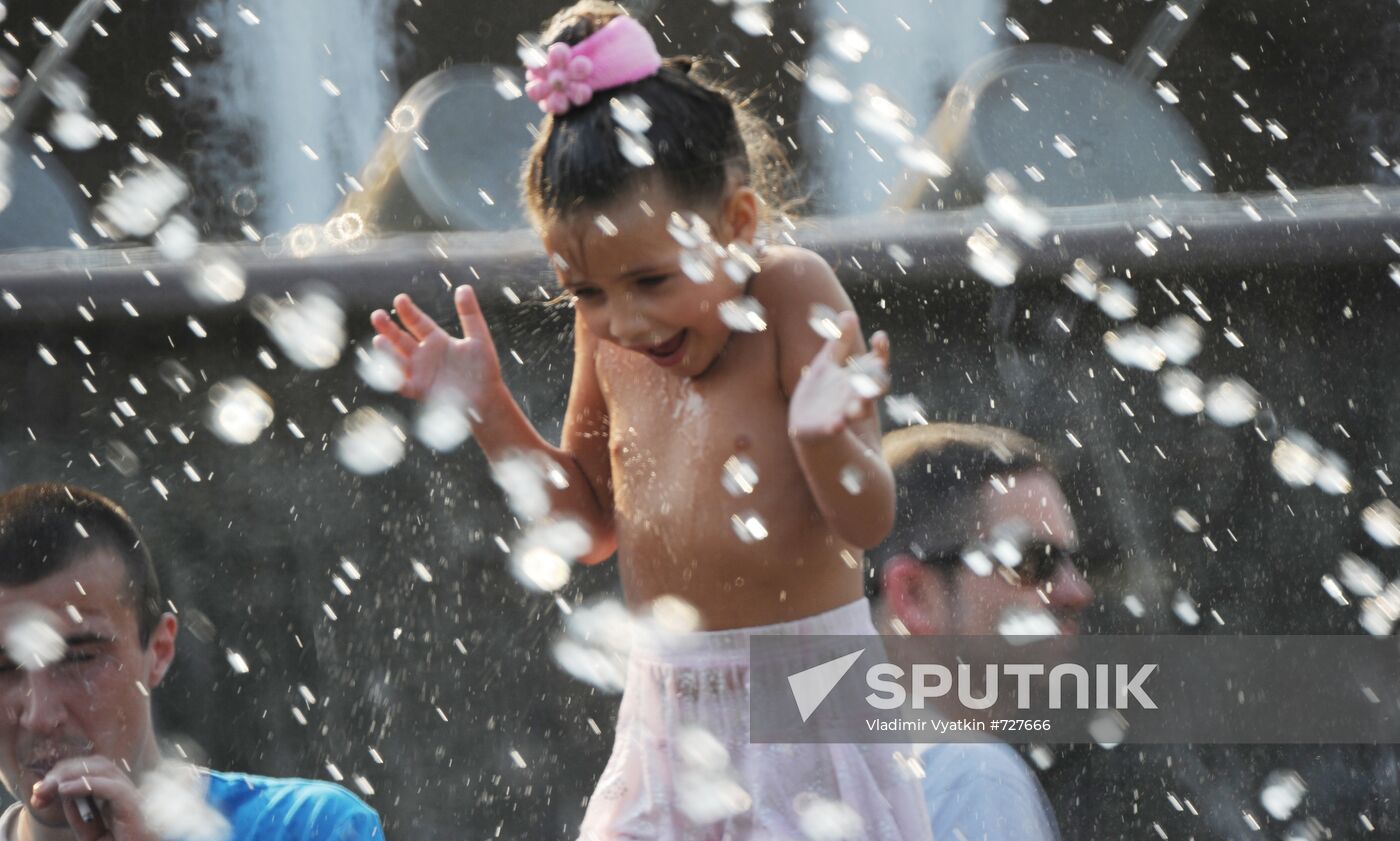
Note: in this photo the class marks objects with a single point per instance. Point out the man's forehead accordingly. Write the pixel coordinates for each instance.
(1034, 497)
(95, 587)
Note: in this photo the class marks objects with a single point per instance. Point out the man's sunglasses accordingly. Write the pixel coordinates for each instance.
(1038, 563)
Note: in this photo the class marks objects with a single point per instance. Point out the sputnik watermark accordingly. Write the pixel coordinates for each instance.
(1104, 690)
(930, 682)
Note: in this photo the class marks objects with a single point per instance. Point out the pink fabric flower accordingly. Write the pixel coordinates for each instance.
(619, 53)
(563, 80)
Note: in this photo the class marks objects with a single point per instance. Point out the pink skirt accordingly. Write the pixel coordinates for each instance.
(683, 767)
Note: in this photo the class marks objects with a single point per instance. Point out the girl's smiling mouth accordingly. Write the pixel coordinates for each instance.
(667, 353)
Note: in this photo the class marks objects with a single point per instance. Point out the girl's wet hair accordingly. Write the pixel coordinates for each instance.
(701, 135)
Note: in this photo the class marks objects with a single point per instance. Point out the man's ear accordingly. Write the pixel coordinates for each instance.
(161, 648)
(739, 216)
(916, 594)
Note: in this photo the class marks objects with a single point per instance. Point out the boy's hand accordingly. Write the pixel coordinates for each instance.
(832, 393)
(98, 781)
(432, 360)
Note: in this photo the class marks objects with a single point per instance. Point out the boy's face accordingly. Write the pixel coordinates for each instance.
(625, 274)
(91, 700)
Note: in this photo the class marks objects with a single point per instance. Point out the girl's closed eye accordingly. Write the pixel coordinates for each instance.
(652, 281)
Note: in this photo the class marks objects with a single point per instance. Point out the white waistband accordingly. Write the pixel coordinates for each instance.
(852, 618)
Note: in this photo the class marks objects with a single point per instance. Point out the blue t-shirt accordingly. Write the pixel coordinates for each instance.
(984, 792)
(274, 809)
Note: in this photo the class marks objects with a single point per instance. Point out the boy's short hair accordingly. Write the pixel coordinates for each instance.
(940, 471)
(45, 528)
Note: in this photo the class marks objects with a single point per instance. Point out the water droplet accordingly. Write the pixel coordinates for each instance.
(753, 19)
(309, 329)
(879, 113)
(1231, 402)
(868, 376)
(631, 113)
(920, 157)
(1007, 207)
(743, 314)
(370, 441)
(1026, 624)
(852, 480)
(178, 238)
(1135, 346)
(379, 369)
(994, 262)
(700, 749)
(675, 615)
(824, 84)
(749, 527)
(1282, 793)
(1108, 729)
(32, 642)
(740, 475)
(1083, 279)
(243, 201)
(823, 819)
(824, 321)
(1296, 458)
(138, 203)
(75, 130)
(1359, 575)
(237, 662)
(976, 559)
(1381, 520)
(442, 425)
(636, 148)
(217, 281)
(239, 411)
(1117, 299)
(1182, 391)
(1185, 609)
(507, 84)
(906, 410)
(847, 41)
(605, 225)
(597, 638)
(404, 119)
(1333, 475)
(698, 264)
(1180, 337)
(524, 478)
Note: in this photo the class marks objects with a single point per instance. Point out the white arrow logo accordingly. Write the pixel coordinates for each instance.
(811, 686)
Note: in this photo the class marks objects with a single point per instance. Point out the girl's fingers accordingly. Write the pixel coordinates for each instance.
(469, 313)
(848, 344)
(386, 328)
(417, 321)
(388, 347)
(880, 343)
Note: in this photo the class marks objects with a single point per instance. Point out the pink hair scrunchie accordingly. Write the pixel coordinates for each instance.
(619, 53)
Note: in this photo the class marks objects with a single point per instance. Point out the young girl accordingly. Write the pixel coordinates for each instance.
(641, 186)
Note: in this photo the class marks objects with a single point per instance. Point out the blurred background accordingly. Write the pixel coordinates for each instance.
(1182, 276)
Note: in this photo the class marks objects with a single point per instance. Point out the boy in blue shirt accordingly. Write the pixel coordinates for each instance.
(83, 638)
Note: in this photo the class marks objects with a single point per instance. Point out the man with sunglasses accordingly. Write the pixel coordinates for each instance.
(983, 543)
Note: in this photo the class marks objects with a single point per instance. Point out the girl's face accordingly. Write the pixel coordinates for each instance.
(623, 269)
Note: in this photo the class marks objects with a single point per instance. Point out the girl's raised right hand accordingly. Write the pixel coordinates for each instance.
(433, 361)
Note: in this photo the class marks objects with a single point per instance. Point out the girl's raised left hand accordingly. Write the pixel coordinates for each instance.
(839, 387)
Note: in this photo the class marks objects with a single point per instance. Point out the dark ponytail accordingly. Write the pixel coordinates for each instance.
(701, 136)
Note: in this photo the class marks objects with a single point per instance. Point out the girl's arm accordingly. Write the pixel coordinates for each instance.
(467, 370)
(835, 431)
